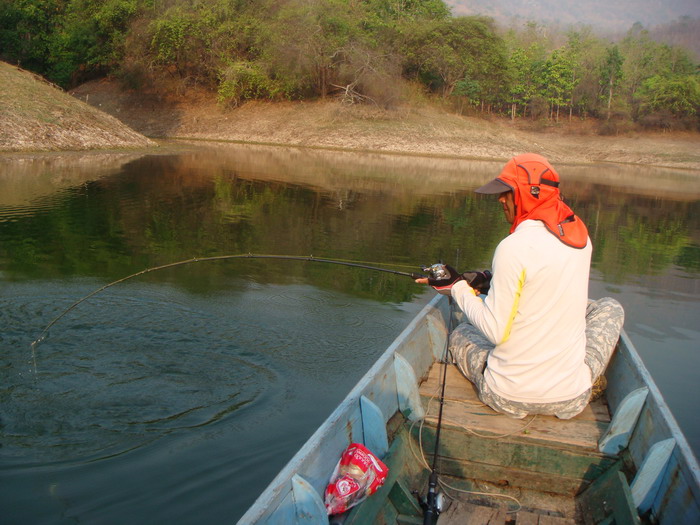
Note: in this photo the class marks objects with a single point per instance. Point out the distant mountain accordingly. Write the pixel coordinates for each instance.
(606, 15)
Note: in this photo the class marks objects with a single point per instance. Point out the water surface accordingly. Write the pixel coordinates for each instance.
(177, 395)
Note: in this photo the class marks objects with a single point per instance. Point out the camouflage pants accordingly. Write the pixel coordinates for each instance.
(470, 349)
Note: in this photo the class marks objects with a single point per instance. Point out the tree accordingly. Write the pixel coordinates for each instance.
(675, 95)
(558, 80)
(181, 39)
(409, 9)
(528, 53)
(586, 95)
(309, 42)
(572, 54)
(641, 58)
(90, 41)
(447, 51)
(520, 87)
(26, 28)
(611, 73)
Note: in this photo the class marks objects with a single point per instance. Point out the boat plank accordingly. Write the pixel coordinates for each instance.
(459, 387)
(554, 520)
(462, 513)
(317, 457)
(526, 518)
(678, 500)
(568, 482)
(464, 409)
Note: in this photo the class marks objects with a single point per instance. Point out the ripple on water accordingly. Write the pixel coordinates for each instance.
(121, 372)
(136, 363)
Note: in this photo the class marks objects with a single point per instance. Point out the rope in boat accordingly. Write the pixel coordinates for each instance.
(421, 459)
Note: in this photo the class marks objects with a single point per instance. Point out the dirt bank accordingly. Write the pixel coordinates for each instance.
(420, 130)
(36, 116)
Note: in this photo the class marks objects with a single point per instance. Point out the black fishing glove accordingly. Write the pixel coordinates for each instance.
(444, 284)
(479, 280)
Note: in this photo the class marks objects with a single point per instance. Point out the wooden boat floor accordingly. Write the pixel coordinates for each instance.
(509, 463)
(463, 513)
(463, 409)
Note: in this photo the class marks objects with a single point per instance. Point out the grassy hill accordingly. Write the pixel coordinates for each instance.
(37, 116)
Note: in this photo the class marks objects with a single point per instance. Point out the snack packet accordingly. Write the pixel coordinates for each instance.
(358, 474)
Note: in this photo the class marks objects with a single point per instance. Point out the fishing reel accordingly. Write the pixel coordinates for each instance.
(437, 271)
(434, 504)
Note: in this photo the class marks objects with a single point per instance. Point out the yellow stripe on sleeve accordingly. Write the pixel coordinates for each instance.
(514, 309)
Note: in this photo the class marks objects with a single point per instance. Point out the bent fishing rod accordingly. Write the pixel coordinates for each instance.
(309, 258)
(433, 503)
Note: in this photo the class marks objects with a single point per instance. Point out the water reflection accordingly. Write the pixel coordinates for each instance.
(193, 375)
(395, 209)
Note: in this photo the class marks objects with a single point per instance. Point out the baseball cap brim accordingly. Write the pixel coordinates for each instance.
(495, 186)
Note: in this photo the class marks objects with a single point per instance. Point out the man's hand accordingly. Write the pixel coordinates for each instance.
(443, 286)
(479, 281)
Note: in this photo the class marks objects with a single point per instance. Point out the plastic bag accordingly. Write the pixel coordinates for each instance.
(358, 474)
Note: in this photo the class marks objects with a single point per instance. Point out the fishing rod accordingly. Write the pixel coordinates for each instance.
(434, 502)
(309, 258)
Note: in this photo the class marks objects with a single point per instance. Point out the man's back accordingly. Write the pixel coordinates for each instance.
(535, 315)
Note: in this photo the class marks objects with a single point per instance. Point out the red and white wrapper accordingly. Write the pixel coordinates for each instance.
(358, 474)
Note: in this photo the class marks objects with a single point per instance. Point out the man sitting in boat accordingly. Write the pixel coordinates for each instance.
(534, 344)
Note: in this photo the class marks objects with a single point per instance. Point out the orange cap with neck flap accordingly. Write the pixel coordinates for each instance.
(535, 187)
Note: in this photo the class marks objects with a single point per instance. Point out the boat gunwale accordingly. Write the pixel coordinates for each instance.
(663, 426)
(662, 406)
(626, 363)
(274, 493)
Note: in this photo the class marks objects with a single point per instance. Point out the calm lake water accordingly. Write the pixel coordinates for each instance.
(176, 396)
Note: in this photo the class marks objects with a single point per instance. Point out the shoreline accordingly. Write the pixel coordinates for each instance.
(426, 155)
(101, 117)
(421, 128)
(164, 145)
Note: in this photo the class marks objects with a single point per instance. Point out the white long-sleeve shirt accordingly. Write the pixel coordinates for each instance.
(535, 315)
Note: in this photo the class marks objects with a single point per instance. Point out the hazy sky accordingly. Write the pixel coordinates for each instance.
(603, 14)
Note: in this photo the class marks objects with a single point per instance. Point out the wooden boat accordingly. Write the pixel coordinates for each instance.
(623, 460)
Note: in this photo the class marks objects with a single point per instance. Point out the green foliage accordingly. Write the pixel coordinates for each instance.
(668, 99)
(521, 87)
(611, 68)
(26, 30)
(610, 75)
(358, 50)
(558, 79)
(243, 81)
(456, 49)
(180, 38)
(409, 9)
(65, 40)
(587, 52)
(467, 88)
(310, 41)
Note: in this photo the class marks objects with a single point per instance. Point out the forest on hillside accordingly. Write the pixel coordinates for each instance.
(382, 52)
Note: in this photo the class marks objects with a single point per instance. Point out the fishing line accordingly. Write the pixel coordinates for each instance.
(423, 461)
(310, 258)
